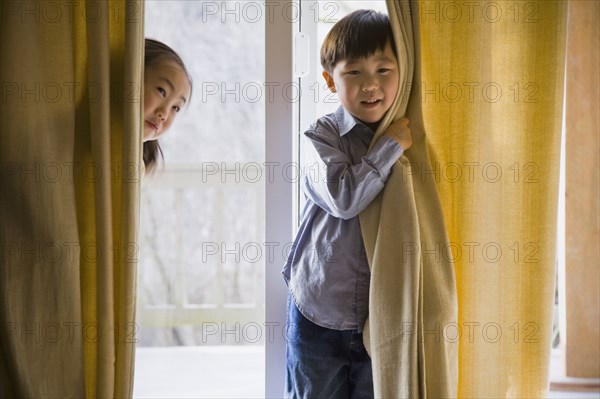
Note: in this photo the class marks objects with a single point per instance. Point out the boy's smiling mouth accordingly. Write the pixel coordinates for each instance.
(370, 103)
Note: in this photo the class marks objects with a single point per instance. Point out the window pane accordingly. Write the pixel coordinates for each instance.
(201, 271)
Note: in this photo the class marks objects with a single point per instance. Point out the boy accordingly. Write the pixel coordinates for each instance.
(327, 271)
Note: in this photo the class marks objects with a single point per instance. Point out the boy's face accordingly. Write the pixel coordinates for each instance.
(166, 91)
(367, 86)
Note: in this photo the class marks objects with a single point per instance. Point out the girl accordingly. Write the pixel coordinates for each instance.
(167, 88)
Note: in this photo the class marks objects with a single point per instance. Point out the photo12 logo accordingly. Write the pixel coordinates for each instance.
(54, 12)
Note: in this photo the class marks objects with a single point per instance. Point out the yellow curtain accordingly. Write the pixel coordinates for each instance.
(482, 84)
(490, 88)
(71, 147)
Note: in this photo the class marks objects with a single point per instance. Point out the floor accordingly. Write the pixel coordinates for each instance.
(223, 372)
(199, 372)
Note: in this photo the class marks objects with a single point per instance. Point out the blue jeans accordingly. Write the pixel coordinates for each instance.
(325, 363)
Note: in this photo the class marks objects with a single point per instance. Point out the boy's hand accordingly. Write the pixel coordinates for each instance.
(400, 132)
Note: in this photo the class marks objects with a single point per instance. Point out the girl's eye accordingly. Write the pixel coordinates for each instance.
(176, 108)
(384, 70)
(162, 91)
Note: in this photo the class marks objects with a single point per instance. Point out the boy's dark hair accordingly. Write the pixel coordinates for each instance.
(153, 51)
(357, 35)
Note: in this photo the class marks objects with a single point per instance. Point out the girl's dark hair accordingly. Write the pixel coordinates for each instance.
(357, 35)
(153, 51)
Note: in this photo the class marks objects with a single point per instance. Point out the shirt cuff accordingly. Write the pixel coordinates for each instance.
(384, 154)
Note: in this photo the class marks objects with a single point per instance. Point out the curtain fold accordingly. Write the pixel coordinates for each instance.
(489, 79)
(72, 79)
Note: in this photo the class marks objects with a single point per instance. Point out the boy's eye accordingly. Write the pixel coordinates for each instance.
(162, 91)
(353, 72)
(176, 108)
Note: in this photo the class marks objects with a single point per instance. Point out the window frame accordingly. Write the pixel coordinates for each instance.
(280, 198)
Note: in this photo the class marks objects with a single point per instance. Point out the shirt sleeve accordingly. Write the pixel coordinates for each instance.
(340, 188)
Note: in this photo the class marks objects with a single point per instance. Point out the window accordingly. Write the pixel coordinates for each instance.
(201, 270)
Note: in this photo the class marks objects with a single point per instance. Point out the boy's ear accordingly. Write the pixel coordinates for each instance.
(330, 82)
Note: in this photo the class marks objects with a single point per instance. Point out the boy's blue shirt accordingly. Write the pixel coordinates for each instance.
(327, 270)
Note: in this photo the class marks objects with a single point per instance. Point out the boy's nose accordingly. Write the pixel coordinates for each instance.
(369, 84)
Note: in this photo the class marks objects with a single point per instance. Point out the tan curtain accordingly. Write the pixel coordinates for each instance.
(489, 79)
(413, 293)
(70, 151)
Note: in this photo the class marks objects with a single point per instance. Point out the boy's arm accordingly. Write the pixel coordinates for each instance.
(340, 188)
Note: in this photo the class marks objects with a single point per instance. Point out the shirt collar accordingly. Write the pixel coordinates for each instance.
(346, 121)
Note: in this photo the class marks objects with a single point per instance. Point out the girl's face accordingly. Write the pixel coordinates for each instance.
(166, 90)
